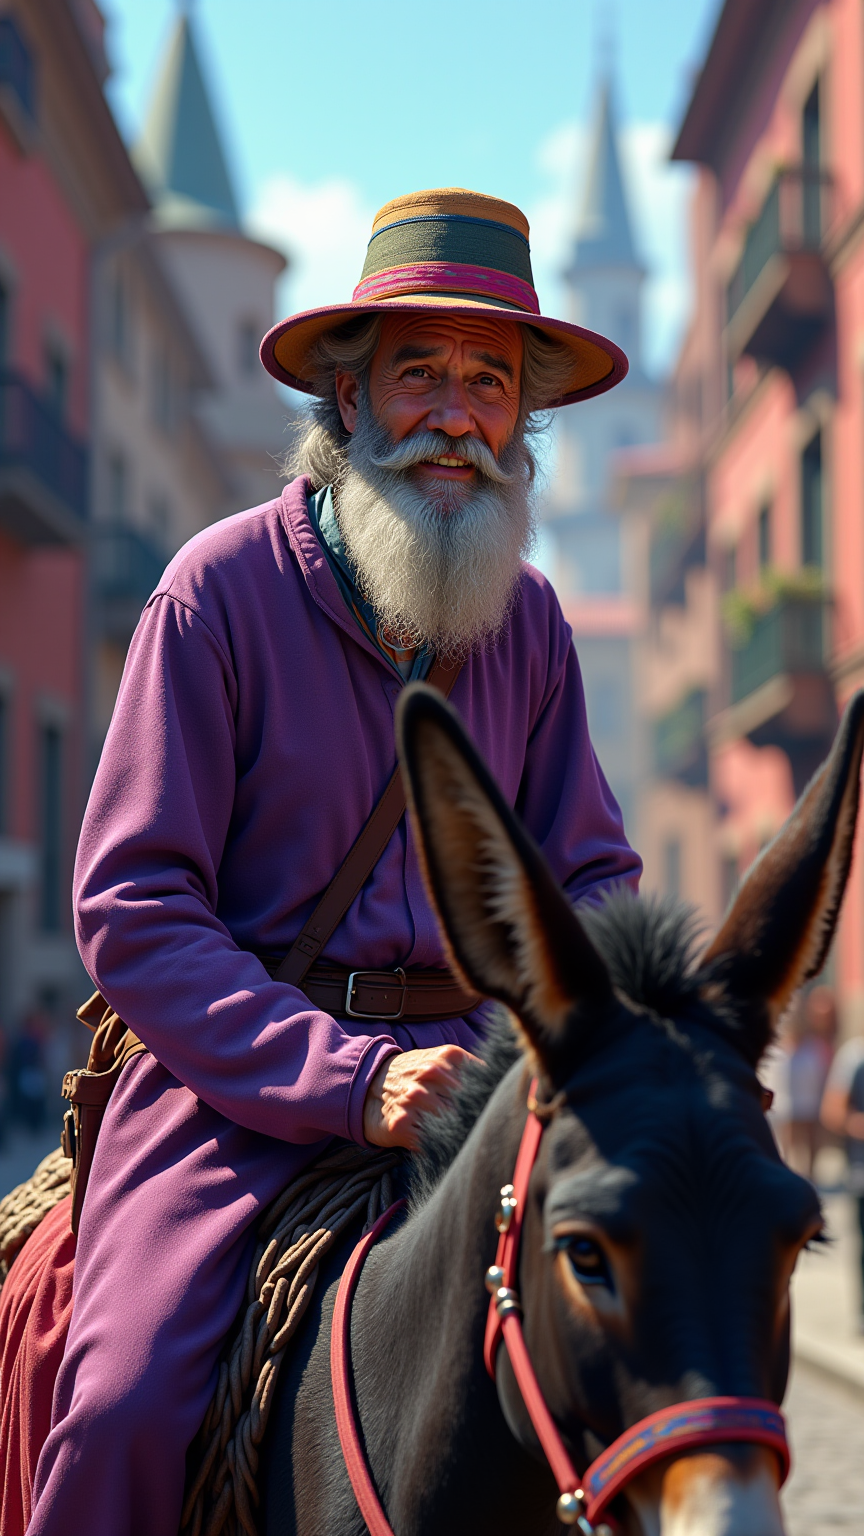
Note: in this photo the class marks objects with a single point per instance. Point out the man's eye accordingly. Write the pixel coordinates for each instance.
(586, 1258)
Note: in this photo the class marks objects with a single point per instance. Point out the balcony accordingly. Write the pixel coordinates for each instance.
(43, 471)
(679, 743)
(126, 568)
(781, 296)
(780, 691)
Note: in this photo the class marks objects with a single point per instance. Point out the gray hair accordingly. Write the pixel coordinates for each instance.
(321, 440)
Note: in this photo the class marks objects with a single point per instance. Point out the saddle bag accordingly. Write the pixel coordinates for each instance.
(89, 1088)
(366, 994)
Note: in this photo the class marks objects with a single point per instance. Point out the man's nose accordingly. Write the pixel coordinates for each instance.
(451, 409)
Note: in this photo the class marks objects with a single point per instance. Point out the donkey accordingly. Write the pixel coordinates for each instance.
(662, 1226)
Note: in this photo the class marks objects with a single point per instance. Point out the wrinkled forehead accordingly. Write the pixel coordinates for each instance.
(468, 336)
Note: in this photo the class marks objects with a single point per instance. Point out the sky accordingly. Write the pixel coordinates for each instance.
(328, 109)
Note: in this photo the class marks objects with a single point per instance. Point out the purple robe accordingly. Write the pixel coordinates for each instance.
(251, 740)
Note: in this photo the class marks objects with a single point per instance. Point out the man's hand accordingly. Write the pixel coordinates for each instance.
(407, 1087)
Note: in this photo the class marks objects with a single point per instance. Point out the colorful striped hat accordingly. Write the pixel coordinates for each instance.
(453, 251)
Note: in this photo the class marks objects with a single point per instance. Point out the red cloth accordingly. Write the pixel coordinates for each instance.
(35, 1308)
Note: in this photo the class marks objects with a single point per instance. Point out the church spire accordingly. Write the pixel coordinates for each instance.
(603, 234)
(179, 153)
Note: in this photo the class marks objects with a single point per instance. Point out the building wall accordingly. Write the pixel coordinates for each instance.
(155, 474)
(44, 266)
(676, 835)
(44, 271)
(753, 456)
(41, 688)
(227, 285)
(147, 388)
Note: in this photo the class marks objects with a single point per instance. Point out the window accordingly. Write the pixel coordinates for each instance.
(4, 325)
(56, 381)
(5, 753)
(672, 867)
(812, 508)
(811, 135)
(118, 488)
(764, 537)
(118, 320)
(162, 391)
(811, 146)
(51, 891)
(160, 520)
(248, 337)
(16, 65)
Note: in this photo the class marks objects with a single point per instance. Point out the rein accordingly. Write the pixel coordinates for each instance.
(681, 1427)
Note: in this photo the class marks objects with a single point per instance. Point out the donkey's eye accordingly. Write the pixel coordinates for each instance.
(587, 1259)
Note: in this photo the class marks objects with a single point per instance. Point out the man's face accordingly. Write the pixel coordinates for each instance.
(445, 374)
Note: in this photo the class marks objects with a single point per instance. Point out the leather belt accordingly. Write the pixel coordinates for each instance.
(415, 996)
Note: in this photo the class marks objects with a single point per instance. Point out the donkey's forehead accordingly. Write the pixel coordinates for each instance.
(653, 1069)
(690, 1163)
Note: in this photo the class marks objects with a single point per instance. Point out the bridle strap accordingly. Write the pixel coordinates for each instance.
(510, 1220)
(670, 1431)
(678, 1428)
(340, 1374)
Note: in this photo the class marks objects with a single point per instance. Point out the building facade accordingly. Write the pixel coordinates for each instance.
(595, 558)
(771, 393)
(66, 186)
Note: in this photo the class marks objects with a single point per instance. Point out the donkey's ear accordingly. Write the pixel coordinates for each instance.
(510, 931)
(779, 928)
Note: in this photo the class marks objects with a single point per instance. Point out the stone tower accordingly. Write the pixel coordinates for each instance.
(589, 559)
(225, 279)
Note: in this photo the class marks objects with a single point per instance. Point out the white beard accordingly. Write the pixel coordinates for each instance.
(441, 568)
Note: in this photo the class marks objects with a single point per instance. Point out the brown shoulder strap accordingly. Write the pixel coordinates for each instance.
(353, 872)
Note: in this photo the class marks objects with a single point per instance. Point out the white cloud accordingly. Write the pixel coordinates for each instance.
(322, 228)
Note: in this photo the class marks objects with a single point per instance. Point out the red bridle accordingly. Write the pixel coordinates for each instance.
(681, 1427)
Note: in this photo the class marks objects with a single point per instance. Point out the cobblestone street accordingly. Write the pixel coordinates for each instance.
(825, 1493)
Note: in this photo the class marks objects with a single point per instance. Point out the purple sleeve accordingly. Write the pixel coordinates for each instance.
(563, 797)
(146, 894)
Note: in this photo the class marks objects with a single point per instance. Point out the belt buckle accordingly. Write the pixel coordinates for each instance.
(360, 1013)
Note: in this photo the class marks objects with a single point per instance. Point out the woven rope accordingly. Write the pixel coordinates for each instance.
(25, 1206)
(296, 1233)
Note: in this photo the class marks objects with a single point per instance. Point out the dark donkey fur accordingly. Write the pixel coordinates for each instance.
(663, 1226)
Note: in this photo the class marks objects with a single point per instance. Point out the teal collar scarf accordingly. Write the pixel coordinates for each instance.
(410, 665)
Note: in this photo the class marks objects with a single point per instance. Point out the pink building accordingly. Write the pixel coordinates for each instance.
(776, 126)
(65, 184)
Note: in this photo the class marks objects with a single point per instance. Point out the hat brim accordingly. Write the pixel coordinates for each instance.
(598, 364)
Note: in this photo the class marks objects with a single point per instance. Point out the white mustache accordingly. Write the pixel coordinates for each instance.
(424, 446)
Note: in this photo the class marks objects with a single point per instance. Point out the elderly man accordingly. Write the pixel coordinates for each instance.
(252, 738)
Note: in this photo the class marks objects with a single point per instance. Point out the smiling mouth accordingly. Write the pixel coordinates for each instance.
(448, 462)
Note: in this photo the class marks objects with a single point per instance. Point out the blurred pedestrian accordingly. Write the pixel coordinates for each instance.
(843, 1115)
(28, 1080)
(809, 1065)
(4, 1089)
